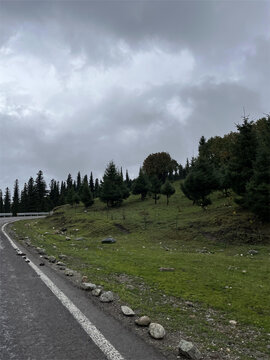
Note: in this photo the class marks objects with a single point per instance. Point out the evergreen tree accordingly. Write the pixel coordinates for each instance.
(127, 180)
(167, 189)
(141, 185)
(69, 182)
(1, 202)
(24, 199)
(79, 181)
(186, 168)
(243, 157)
(85, 179)
(113, 190)
(76, 199)
(155, 187)
(200, 182)
(7, 202)
(96, 190)
(91, 183)
(71, 196)
(15, 200)
(40, 187)
(257, 197)
(54, 194)
(87, 196)
(63, 193)
(32, 197)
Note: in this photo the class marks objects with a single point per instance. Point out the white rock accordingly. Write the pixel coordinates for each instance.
(157, 331)
(232, 322)
(96, 292)
(127, 311)
(106, 297)
(143, 321)
(88, 286)
(188, 349)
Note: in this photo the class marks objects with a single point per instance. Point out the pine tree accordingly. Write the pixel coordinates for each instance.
(71, 196)
(32, 197)
(167, 189)
(96, 190)
(1, 202)
(7, 202)
(243, 157)
(141, 185)
(87, 196)
(69, 182)
(24, 199)
(85, 179)
(155, 187)
(113, 190)
(79, 182)
(257, 197)
(15, 200)
(200, 182)
(40, 186)
(127, 180)
(91, 183)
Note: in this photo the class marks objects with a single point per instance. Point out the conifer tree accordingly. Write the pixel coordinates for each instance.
(243, 157)
(40, 187)
(167, 189)
(96, 190)
(200, 182)
(15, 200)
(85, 179)
(69, 182)
(87, 196)
(24, 199)
(1, 202)
(91, 183)
(32, 197)
(79, 182)
(71, 196)
(141, 185)
(113, 190)
(7, 201)
(155, 187)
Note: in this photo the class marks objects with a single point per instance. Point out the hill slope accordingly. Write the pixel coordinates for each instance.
(215, 277)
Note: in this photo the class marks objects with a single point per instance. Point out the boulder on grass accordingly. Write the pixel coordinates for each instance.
(189, 350)
(108, 240)
(157, 331)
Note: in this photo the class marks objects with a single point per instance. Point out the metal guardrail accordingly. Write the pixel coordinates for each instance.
(26, 214)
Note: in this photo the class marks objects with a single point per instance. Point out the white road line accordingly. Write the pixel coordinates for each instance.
(105, 346)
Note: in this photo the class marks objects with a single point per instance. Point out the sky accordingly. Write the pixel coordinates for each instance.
(86, 82)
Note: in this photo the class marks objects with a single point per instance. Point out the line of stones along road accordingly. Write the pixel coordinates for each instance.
(156, 331)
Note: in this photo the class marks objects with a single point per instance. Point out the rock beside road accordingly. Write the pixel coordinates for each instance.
(106, 297)
(189, 350)
(127, 311)
(143, 321)
(157, 331)
(96, 292)
(88, 286)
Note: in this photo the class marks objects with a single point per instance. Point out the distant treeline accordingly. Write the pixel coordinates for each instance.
(36, 197)
(236, 164)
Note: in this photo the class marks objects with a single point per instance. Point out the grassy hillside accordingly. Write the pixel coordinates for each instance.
(208, 250)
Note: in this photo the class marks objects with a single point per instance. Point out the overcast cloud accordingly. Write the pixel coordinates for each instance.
(86, 82)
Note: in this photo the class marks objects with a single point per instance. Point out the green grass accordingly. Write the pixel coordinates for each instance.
(151, 236)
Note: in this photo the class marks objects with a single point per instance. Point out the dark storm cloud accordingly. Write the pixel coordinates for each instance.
(84, 82)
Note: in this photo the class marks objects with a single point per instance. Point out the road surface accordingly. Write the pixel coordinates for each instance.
(56, 323)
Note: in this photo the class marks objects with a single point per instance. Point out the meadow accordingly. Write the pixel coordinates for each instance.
(191, 270)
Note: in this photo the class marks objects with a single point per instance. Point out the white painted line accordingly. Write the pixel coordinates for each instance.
(105, 346)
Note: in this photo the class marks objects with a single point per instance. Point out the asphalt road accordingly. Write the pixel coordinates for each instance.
(35, 325)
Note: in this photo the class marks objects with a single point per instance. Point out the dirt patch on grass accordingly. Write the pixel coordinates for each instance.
(122, 228)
